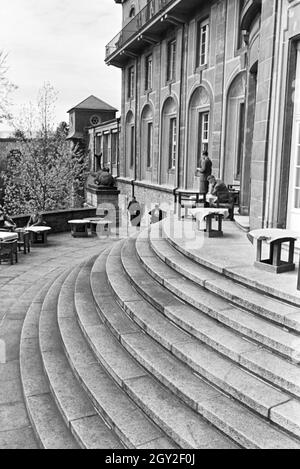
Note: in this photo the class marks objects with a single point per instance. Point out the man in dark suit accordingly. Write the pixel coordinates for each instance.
(218, 191)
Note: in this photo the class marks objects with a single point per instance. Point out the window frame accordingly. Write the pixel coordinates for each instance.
(131, 146)
(172, 143)
(148, 74)
(171, 60)
(130, 82)
(201, 140)
(149, 145)
(201, 24)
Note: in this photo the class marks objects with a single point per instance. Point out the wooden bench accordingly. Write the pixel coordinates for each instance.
(275, 238)
(8, 247)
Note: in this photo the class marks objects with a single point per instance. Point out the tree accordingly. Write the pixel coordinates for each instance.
(6, 88)
(44, 176)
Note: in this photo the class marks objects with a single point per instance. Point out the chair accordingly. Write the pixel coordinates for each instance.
(23, 239)
(229, 204)
(9, 251)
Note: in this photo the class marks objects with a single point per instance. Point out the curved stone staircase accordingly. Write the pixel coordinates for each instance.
(144, 346)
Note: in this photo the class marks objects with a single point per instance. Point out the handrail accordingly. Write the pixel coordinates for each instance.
(152, 9)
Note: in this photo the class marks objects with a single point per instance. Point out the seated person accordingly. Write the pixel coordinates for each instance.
(218, 192)
(36, 219)
(6, 223)
(156, 214)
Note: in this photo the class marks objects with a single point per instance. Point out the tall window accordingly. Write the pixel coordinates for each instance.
(172, 143)
(97, 152)
(240, 39)
(202, 43)
(148, 72)
(105, 150)
(114, 147)
(171, 61)
(203, 135)
(130, 82)
(240, 147)
(131, 147)
(149, 144)
(297, 172)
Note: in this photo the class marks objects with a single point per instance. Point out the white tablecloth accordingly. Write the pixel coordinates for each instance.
(38, 229)
(8, 236)
(201, 213)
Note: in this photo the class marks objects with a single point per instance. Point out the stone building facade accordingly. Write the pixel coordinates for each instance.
(221, 75)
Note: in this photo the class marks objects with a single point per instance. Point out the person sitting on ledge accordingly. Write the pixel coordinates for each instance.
(36, 219)
(6, 222)
(218, 192)
(156, 214)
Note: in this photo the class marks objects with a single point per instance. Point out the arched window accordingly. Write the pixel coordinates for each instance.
(130, 142)
(169, 141)
(132, 12)
(146, 142)
(235, 125)
(199, 132)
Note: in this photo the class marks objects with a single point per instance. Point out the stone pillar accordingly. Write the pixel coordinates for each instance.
(104, 198)
(219, 10)
(259, 163)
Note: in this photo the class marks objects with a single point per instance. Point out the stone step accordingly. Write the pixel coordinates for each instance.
(181, 237)
(76, 408)
(176, 418)
(125, 370)
(121, 414)
(276, 310)
(92, 430)
(50, 429)
(175, 340)
(250, 325)
(255, 358)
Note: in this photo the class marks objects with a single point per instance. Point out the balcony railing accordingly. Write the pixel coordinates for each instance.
(152, 9)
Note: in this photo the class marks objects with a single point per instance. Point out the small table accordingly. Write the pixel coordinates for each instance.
(210, 214)
(39, 234)
(79, 228)
(275, 238)
(8, 246)
(23, 239)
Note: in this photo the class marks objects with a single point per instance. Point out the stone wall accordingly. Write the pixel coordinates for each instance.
(58, 220)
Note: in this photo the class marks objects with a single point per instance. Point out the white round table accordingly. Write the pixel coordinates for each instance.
(39, 234)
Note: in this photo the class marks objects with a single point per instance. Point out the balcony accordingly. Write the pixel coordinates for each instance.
(146, 27)
(249, 11)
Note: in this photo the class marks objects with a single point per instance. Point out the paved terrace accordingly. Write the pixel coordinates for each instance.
(233, 256)
(19, 283)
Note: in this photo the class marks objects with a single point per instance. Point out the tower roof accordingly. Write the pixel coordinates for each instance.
(93, 103)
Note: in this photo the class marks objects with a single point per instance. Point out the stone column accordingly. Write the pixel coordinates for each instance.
(259, 163)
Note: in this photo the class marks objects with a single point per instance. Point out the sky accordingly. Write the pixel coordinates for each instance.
(61, 42)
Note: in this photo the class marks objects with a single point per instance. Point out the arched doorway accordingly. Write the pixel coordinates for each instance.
(169, 136)
(198, 134)
(235, 130)
(146, 143)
